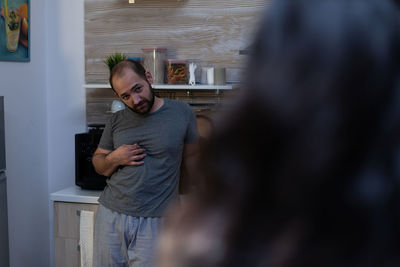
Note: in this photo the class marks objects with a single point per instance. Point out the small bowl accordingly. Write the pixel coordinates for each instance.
(117, 105)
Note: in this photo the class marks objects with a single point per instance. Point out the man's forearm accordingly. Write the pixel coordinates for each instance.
(107, 161)
(104, 164)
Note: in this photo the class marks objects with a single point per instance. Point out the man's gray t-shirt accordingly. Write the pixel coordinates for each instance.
(148, 189)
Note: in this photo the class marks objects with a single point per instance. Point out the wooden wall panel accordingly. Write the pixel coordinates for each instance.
(98, 102)
(209, 32)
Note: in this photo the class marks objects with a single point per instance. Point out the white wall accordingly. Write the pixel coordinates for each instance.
(65, 94)
(44, 108)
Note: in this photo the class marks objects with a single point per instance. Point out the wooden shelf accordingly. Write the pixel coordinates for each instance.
(171, 86)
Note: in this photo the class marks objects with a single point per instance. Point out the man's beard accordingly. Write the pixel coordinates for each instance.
(148, 103)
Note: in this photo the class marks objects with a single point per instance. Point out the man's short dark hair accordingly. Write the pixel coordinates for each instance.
(119, 69)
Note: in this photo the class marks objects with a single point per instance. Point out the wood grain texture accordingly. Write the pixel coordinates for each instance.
(66, 220)
(209, 32)
(206, 32)
(66, 253)
(98, 101)
(66, 232)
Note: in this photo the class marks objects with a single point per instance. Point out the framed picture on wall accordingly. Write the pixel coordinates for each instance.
(15, 30)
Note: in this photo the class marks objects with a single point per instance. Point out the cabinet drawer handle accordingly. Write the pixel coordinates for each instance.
(78, 212)
(78, 248)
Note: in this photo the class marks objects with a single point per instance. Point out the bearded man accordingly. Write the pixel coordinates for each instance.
(141, 150)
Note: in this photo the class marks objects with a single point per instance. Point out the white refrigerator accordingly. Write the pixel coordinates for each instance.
(4, 249)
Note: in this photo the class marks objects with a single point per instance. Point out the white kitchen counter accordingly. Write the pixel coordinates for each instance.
(76, 194)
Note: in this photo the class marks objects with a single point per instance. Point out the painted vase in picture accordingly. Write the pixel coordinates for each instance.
(14, 30)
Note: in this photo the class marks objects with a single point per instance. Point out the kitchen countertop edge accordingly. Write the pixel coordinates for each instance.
(77, 195)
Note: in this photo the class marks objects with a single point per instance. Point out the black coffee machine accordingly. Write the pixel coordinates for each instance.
(85, 145)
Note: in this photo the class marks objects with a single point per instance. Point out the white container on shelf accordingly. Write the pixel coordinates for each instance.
(210, 76)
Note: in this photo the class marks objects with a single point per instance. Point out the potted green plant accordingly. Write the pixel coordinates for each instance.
(114, 59)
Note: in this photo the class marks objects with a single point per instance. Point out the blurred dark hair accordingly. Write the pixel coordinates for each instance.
(307, 165)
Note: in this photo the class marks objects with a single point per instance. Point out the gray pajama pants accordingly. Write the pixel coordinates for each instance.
(122, 240)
